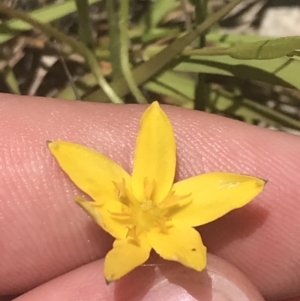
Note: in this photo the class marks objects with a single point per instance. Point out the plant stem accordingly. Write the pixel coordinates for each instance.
(201, 89)
(143, 72)
(124, 52)
(114, 37)
(85, 31)
(80, 48)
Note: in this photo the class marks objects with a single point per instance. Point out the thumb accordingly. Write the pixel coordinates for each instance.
(160, 281)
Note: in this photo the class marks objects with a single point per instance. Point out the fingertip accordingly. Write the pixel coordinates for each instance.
(162, 280)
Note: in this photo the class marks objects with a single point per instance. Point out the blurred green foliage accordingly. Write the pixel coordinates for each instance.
(150, 55)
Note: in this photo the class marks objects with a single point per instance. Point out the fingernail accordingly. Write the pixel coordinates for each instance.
(171, 281)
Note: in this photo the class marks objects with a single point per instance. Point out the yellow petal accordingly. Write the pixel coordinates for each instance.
(181, 243)
(126, 255)
(155, 155)
(92, 172)
(103, 216)
(213, 195)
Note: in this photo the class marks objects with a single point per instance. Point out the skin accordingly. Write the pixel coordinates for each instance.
(51, 250)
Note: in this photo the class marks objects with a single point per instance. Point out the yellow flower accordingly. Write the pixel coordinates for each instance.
(147, 210)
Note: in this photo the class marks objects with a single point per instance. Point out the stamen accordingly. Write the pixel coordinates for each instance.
(132, 233)
(91, 202)
(162, 225)
(94, 204)
(149, 188)
(121, 189)
(119, 214)
(125, 212)
(122, 192)
(172, 200)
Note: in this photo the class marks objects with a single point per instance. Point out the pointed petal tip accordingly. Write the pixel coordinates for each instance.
(199, 268)
(264, 181)
(108, 282)
(155, 105)
(48, 142)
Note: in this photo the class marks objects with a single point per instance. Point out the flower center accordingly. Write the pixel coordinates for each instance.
(141, 216)
(146, 214)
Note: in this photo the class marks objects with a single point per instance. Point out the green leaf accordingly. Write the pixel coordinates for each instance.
(251, 111)
(160, 32)
(281, 71)
(124, 52)
(158, 10)
(181, 89)
(85, 30)
(175, 85)
(49, 13)
(83, 84)
(77, 46)
(155, 12)
(145, 71)
(231, 39)
(265, 49)
(114, 37)
(170, 83)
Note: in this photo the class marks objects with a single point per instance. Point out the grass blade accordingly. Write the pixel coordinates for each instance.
(76, 46)
(125, 64)
(145, 71)
(49, 13)
(85, 32)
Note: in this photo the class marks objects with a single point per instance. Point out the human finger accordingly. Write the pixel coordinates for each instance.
(45, 234)
(160, 281)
